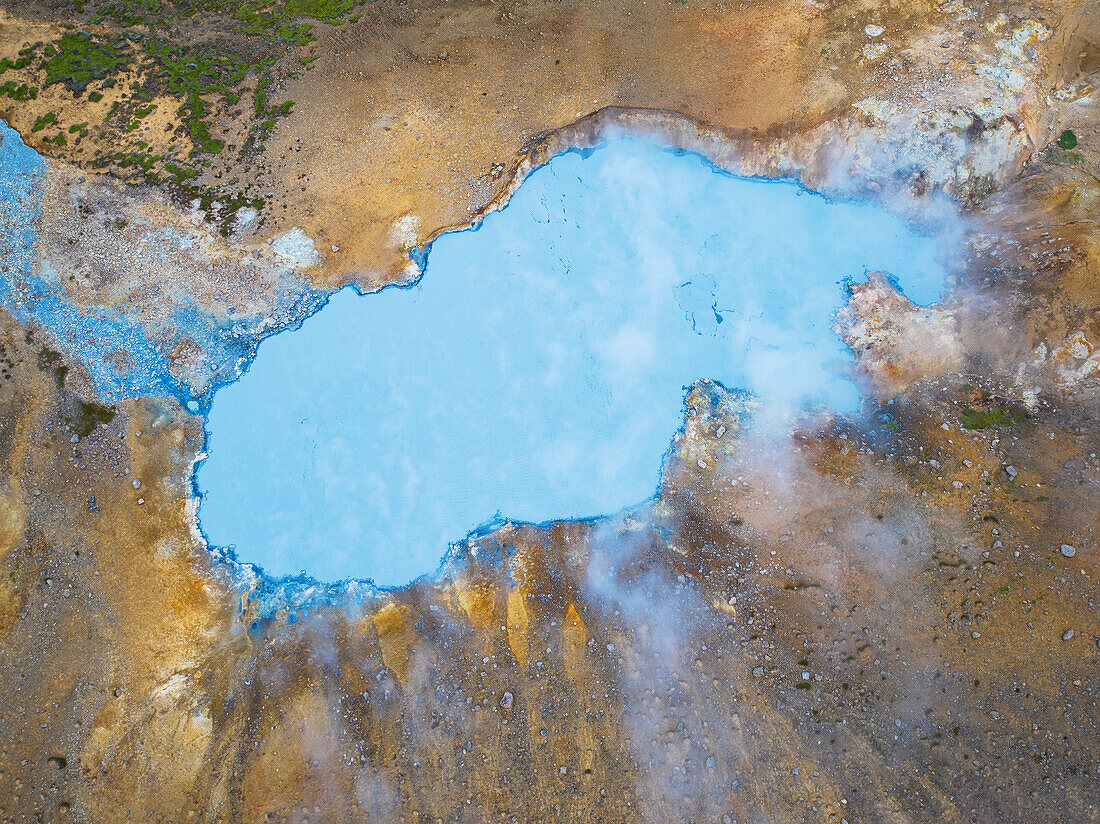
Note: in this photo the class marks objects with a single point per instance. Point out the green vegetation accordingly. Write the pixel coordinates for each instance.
(1066, 158)
(26, 55)
(226, 213)
(48, 358)
(43, 121)
(215, 59)
(1067, 140)
(22, 92)
(84, 416)
(192, 74)
(993, 416)
(78, 58)
(321, 9)
(178, 173)
(1062, 150)
(88, 416)
(131, 12)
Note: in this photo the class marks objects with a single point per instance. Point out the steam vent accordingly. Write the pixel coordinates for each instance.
(549, 411)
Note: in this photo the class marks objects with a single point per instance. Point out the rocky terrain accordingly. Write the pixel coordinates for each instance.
(890, 617)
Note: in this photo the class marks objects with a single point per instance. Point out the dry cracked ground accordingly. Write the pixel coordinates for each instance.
(890, 617)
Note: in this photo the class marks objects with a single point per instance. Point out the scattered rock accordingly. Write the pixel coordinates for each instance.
(873, 51)
(896, 341)
(1068, 550)
(872, 30)
(1067, 635)
(758, 672)
(506, 701)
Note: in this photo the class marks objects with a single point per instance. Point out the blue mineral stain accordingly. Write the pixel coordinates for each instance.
(119, 352)
(537, 370)
(21, 172)
(122, 362)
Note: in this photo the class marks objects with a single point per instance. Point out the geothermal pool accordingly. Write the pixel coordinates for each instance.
(537, 371)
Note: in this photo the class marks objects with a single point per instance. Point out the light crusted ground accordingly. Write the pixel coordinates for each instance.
(873, 620)
(398, 141)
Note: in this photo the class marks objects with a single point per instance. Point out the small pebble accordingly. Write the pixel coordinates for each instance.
(871, 30)
(1067, 635)
(506, 700)
(1068, 551)
(758, 672)
(137, 484)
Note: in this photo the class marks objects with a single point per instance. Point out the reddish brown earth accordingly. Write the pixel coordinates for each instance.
(870, 621)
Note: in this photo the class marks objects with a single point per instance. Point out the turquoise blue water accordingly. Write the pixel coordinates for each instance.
(537, 370)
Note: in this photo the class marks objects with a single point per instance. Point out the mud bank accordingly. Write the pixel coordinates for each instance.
(872, 621)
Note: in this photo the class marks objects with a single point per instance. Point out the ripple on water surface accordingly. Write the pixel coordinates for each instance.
(538, 369)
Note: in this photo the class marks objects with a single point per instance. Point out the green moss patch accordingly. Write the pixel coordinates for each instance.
(993, 416)
(321, 9)
(217, 60)
(26, 55)
(43, 121)
(88, 416)
(78, 58)
(21, 92)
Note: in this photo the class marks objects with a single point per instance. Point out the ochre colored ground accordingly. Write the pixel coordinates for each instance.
(869, 621)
